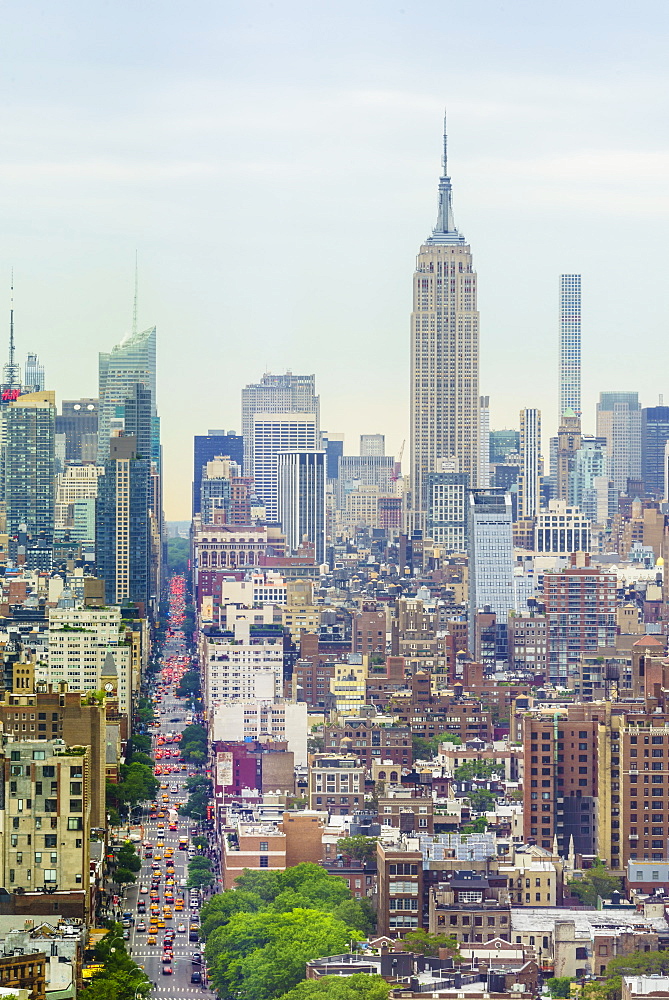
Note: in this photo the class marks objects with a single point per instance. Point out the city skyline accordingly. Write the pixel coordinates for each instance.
(555, 151)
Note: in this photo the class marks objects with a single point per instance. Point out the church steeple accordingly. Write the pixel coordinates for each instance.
(445, 231)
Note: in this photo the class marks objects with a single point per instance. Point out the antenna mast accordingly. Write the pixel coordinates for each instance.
(134, 308)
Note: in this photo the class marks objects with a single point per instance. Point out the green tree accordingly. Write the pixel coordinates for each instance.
(223, 905)
(358, 847)
(358, 913)
(357, 987)
(424, 943)
(594, 883)
(472, 769)
(639, 963)
(480, 825)
(263, 955)
(178, 555)
(200, 874)
(559, 988)
(481, 800)
(189, 685)
(123, 876)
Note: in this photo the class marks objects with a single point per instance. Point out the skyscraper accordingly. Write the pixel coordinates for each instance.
(207, 447)
(276, 394)
(372, 444)
(29, 489)
(619, 421)
(484, 442)
(570, 344)
(490, 556)
(444, 355)
(274, 433)
(301, 496)
(530, 457)
(33, 375)
(654, 436)
(130, 362)
(122, 528)
(78, 421)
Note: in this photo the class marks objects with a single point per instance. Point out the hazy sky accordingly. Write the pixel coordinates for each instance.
(275, 165)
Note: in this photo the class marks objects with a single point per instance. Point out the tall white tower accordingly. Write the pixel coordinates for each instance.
(444, 355)
(530, 458)
(570, 344)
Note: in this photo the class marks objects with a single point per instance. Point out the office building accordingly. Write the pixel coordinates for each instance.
(364, 470)
(445, 401)
(29, 471)
(447, 510)
(301, 499)
(589, 480)
(334, 449)
(78, 422)
(138, 418)
(276, 394)
(619, 422)
(504, 444)
(264, 720)
(122, 529)
(372, 444)
(561, 530)
(207, 447)
(76, 483)
(243, 662)
(128, 363)
(654, 438)
(490, 554)
(216, 490)
(570, 344)
(79, 644)
(530, 458)
(484, 442)
(274, 433)
(33, 375)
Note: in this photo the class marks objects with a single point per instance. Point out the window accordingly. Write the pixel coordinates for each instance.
(264, 845)
(49, 874)
(264, 862)
(39, 755)
(50, 840)
(75, 823)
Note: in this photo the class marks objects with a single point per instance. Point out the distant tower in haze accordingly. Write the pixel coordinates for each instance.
(444, 355)
(131, 362)
(570, 344)
(484, 442)
(301, 499)
(530, 457)
(33, 375)
(372, 444)
(276, 394)
(619, 421)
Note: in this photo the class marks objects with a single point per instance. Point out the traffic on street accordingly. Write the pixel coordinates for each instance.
(160, 914)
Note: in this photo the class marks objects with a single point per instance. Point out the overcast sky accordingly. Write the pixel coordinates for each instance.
(275, 165)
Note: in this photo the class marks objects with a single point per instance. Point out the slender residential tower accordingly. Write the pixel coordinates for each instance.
(570, 344)
(445, 401)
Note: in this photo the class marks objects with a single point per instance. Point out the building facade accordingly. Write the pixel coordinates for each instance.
(570, 343)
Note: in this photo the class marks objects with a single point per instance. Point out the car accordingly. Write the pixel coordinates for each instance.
(143, 889)
(195, 976)
(196, 956)
(152, 939)
(126, 934)
(181, 928)
(141, 926)
(167, 970)
(167, 955)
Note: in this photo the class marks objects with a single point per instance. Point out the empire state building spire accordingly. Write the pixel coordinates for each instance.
(445, 232)
(445, 401)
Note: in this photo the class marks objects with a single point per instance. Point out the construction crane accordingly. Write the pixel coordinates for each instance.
(397, 474)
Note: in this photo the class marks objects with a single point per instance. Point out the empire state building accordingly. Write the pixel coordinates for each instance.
(445, 404)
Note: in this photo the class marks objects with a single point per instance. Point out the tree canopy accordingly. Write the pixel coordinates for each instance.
(472, 769)
(425, 943)
(122, 979)
(558, 987)
(357, 987)
(304, 886)
(594, 883)
(263, 955)
(357, 847)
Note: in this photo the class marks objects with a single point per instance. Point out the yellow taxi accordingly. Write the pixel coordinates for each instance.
(164, 787)
(161, 826)
(157, 856)
(169, 853)
(152, 939)
(161, 923)
(153, 919)
(179, 905)
(167, 913)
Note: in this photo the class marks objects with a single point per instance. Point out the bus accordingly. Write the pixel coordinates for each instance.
(183, 843)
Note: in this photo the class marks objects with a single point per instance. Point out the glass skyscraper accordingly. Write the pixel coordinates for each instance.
(131, 362)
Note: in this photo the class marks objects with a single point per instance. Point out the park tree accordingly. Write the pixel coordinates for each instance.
(261, 956)
(357, 987)
(481, 800)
